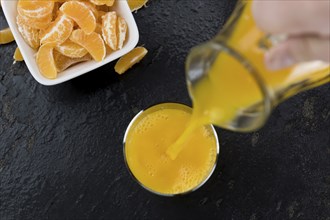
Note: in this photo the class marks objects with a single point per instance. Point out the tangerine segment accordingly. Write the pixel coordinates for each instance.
(122, 30)
(63, 62)
(93, 43)
(70, 49)
(128, 60)
(135, 5)
(92, 8)
(45, 61)
(35, 8)
(6, 36)
(109, 29)
(58, 31)
(81, 14)
(37, 23)
(17, 55)
(29, 34)
(103, 2)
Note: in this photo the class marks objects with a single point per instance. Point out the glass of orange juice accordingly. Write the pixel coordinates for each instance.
(149, 135)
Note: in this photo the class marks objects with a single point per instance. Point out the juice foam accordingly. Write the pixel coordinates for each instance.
(145, 150)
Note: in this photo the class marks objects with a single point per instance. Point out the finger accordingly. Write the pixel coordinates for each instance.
(292, 16)
(298, 49)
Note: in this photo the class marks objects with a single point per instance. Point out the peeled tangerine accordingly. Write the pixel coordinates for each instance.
(37, 23)
(63, 62)
(81, 14)
(109, 29)
(114, 30)
(58, 31)
(103, 2)
(135, 5)
(29, 34)
(122, 30)
(35, 8)
(6, 36)
(128, 60)
(70, 49)
(93, 43)
(17, 55)
(45, 61)
(91, 7)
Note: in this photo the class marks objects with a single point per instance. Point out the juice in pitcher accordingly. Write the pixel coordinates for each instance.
(231, 78)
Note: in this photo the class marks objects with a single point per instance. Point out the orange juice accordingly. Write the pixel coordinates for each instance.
(229, 86)
(227, 78)
(149, 135)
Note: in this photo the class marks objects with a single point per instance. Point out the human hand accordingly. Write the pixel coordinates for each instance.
(306, 23)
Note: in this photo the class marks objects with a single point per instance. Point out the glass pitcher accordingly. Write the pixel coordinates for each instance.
(228, 82)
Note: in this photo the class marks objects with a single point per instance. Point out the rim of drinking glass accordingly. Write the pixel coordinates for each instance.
(169, 194)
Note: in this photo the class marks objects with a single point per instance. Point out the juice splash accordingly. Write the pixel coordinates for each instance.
(147, 139)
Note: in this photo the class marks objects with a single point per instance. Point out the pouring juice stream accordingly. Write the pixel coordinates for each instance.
(228, 87)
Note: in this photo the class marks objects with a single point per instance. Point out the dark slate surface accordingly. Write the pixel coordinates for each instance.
(61, 153)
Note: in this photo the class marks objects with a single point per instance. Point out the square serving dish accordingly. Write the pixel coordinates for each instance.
(121, 7)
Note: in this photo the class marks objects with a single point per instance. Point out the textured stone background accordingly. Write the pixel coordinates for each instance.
(61, 152)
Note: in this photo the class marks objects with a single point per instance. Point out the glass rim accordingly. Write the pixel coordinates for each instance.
(207, 177)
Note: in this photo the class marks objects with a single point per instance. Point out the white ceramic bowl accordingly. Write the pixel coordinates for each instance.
(121, 7)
